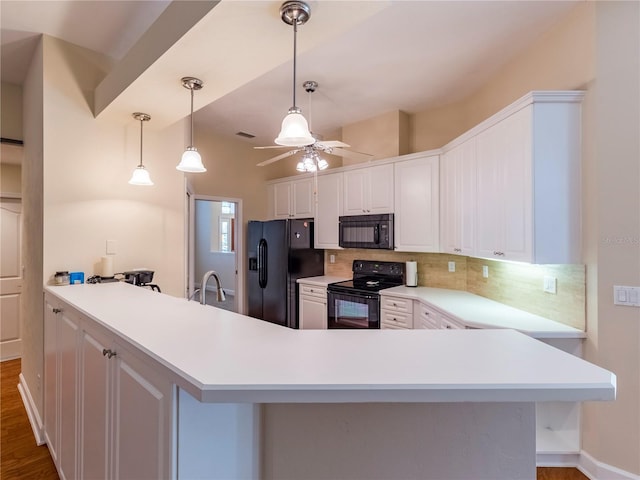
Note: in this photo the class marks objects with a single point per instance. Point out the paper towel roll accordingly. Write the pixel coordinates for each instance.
(411, 274)
(107, 266)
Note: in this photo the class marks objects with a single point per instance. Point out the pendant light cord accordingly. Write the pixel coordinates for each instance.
(141, 130)
(295, 32)
(191, 144)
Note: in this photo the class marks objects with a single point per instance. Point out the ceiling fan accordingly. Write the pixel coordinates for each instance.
(312, 151)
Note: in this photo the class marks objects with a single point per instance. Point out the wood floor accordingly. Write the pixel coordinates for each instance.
(21, 459)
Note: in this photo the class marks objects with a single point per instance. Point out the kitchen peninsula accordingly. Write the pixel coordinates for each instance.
(183, 390)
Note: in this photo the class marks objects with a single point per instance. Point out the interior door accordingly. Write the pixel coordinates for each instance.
(10, 278)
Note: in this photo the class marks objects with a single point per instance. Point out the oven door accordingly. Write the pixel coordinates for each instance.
(353, 310)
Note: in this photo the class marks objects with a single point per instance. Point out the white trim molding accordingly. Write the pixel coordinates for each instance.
(32, 412)
(596, 470)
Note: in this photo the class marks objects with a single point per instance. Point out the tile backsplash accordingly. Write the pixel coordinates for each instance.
(516, 284)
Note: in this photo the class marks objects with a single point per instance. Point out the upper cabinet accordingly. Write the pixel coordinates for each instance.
(458, 199)
(368, 190)
(528, 182)
(292, 199)
(417, 205)
(328, 210)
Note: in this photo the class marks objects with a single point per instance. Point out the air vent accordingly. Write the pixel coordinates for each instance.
(245, 135)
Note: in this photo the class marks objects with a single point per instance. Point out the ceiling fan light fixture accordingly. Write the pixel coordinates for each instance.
(295, 130)
(140, 175)
(322, 164)
(191, 161)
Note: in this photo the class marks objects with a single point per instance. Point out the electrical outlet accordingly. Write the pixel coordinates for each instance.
(549, 285)
(332, 259)
(452, 266)
(485, 271)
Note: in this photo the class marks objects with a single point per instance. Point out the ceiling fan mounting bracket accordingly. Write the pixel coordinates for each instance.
(295, 11)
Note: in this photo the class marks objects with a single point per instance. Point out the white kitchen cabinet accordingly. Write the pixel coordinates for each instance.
(328, 210)
(528, 181)
(368, 190)
(107, 414)
(313, 307)
(417, 205)
(396, 312)
(61, 385)
(292, 199)
(458, 194)
(425, 317)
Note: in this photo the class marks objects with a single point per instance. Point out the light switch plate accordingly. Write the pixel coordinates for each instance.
(111, 247)
(452, 266)
(485, 271)
(627, 296)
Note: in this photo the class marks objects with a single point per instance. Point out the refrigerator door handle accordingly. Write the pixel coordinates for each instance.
(262, 263)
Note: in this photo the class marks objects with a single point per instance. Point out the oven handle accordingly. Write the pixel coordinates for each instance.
(366, 296)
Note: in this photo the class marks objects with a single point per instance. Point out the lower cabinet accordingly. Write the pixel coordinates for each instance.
(396, 313)
(313, 307)
(107, 412)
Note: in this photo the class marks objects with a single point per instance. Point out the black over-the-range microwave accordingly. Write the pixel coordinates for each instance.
(366, 231)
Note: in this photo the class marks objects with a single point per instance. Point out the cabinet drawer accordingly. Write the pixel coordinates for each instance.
(427, 318)
(397, 304)
(396, 320)
(313, 291)
(450, 323)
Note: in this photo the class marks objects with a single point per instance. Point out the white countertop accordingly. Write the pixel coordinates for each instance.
(220, 356)
(322, 280)
(480, 312)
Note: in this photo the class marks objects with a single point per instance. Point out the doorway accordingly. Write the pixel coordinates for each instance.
(216, 244)
(10, 278)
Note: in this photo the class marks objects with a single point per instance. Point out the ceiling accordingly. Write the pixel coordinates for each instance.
(369, 57)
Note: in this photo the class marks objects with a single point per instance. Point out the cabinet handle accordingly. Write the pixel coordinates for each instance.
(57, 310)
(457, 249)
(108, 353)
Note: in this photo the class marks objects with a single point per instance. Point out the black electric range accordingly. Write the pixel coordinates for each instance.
(355, 303)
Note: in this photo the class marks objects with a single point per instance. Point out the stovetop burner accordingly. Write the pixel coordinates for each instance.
(371, 276)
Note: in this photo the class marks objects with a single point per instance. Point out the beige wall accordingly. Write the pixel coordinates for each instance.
(612, 429)
(10, 179)
(11, 111)
(384, 136)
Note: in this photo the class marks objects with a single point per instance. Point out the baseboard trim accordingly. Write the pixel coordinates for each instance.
(557, 459)
(596, 470)
(32, 412)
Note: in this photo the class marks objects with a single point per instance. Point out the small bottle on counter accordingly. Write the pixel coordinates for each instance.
(61, 278)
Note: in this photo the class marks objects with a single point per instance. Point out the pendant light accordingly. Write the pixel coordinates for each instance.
(295, 130)
(140, 174)
(191, 161)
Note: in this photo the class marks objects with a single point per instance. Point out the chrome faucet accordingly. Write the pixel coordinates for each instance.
(203, 286)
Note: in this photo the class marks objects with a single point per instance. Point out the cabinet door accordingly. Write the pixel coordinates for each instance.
(142, 419)
(51, 377)
(458, 181)
(313, 313)
(302, 198)
(417, 205)
(95, 404)
(328, 210)
(281, 199)
(380, 189)
(356, 183)
(68, 335)
(489, 209)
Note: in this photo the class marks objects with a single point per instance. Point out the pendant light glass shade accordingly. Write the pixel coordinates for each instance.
(140, 174)
(295, 129)
(191, 161)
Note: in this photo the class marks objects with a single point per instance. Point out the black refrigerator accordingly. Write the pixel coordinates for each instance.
(280, 252)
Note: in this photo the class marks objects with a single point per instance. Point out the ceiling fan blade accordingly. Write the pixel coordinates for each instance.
(350, 154)
(332, 144)
(271, 146)
(279, 157)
